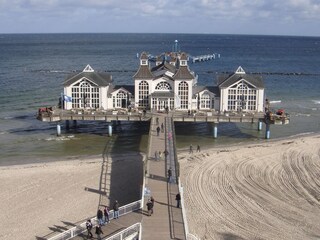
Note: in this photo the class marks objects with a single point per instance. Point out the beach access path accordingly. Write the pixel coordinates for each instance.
(166, 222)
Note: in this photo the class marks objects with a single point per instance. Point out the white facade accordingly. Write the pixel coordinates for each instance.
(166, 86)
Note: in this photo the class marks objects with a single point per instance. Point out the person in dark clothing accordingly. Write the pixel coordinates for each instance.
(169, 175)
(162, 127)
(89, 227)
(100, 216)
(152, 200)
(98, 232)
(191, 149)
(149, 207)
(116, 209)
(198, 148)
(178, 199)
(158, 131)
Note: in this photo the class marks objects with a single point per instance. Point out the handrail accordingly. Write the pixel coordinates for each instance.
(134, 229)
(72, 232)
(184, 215)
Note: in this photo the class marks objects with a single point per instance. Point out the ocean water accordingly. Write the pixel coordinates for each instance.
(34, 66)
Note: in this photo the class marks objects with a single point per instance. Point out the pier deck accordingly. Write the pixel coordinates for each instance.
(166, 222)
(124, 115)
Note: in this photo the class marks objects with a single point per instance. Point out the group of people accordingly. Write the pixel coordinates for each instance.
(191, 148)
(159, 128)
(103, 218)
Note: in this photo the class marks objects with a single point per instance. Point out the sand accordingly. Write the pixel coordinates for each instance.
(266, 190)
(38, 200)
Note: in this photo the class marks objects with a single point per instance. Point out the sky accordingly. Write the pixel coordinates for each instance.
(266, 17)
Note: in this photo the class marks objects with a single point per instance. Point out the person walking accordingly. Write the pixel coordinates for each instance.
(162, 127)
(100, 217)
(156, 155)
(158, 131)
(169, 175)
(106, 214)
(198, 148)
(89, 227)
(178, 199)
(149, 207)
(190, 149)
(116, 209)
(152, 200)
(98, 232)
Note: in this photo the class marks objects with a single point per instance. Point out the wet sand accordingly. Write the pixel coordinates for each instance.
(266, 190)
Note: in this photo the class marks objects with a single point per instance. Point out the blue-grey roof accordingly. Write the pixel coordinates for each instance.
(225, 80)
(101, 79)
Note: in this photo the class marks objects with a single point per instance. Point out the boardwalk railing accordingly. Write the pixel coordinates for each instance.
(131, 233)
(184, 216)
(72, 232)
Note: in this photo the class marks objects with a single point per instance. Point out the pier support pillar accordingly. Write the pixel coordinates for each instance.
(267, 131)
(259, 126)
(215, 130)
(67, 124)
(75, 123)
(58, 130)
(110, 129)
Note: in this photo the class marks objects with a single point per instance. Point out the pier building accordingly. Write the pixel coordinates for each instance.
(169, 85)
(164, 85)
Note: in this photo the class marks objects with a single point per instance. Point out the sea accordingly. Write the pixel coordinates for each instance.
(34, 66)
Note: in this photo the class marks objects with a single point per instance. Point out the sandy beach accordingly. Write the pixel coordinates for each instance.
(265, 190)
(38, 200)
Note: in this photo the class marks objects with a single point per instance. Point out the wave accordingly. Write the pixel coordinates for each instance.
(275, 101)
(60, 138)
(316, 101)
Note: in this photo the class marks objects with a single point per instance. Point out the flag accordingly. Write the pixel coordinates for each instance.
(67, 98)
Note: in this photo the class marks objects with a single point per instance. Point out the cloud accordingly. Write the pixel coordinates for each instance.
(187, 13)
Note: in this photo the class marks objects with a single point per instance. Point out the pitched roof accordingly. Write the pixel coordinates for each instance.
(101, 79)
(214, 89)
(143, 73)
(226, 80)
(183, 73)
(183, 56)
(129, 88)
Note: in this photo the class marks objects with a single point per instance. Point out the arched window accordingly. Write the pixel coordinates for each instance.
(85, 95)
(163, 86)
(183, 95)
(242, 97)
(143, 94)
(205, 101)
(120, 100)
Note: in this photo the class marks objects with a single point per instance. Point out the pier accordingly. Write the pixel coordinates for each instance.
(203, 58)
(167, 221)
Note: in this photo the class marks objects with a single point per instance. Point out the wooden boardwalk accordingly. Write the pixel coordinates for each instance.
(166, 222)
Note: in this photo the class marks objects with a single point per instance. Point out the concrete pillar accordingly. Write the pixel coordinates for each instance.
(58, 130)
(67, 124)
(75, 123)
(259, 126)
(267, 131)
(110, 129)
(215, 130)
